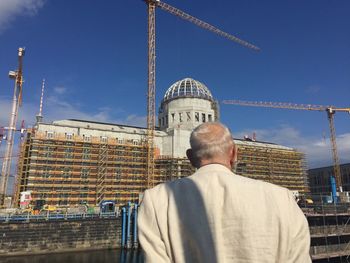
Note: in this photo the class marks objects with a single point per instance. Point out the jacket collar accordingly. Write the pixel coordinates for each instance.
(214, 167)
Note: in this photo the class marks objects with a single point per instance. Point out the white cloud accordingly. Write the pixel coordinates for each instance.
(27, 112)
(136, 120)
(313, 89)
(56, 107)
(10, 9)
(318, 150)
(60, 90)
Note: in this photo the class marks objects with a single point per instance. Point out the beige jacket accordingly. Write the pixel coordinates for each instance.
(217, 216)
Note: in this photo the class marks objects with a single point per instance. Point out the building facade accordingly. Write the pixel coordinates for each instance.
(319, 179)
(71, 162)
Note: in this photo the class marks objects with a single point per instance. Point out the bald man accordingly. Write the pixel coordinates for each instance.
(218, 216)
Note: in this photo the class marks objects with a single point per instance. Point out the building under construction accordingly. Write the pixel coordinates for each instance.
(70, 162)
(319, 179)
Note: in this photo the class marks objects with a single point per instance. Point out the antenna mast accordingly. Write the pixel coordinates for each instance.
(39, 117)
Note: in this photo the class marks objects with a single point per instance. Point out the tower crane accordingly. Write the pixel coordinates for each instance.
(152, 5)
(330, 110)
(3, 136)
(16, 102)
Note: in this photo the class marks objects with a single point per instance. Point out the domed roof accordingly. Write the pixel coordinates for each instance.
(187, 88)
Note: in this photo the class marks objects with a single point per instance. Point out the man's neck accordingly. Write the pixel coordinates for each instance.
(216, 161)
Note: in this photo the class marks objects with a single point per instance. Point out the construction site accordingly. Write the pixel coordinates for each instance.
(68, 169)
(71, 163)
(80, 171)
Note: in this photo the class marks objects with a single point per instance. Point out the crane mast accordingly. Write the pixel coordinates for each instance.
(16, 102)
(152, 5)
(151, 92)
(336, 168)
(330, 110)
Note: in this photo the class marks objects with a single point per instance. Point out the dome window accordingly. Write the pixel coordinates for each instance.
(187, 88)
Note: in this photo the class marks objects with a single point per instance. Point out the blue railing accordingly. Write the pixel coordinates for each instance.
(55, 216)
(129, 226)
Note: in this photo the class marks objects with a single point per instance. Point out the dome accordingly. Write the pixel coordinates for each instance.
(187, 88)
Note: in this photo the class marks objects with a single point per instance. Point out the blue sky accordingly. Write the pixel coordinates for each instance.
(93, 55)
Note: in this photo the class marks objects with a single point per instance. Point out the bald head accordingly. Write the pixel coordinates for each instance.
(211, 142)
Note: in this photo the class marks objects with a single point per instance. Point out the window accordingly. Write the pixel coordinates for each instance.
(48, 151)
(69, 136)
(84, 173)
(66, 172)
(182, 90)
(68, 152)
(118, 174)
(188, 116)
(196, 116)
(209, 117)
(173, 117)
(49, 135)
(87, 138)
(203, 117)
(86, 153)
(241, 168)
(180, 117)
(166, 120)
(104, 139)
(46, 172)
(43, 195)
(86, 150)
(83, 195)
(160, 121)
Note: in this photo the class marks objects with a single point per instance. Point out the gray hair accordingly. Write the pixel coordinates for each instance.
(209, 140)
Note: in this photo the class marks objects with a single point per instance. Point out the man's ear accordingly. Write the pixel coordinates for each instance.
(234, 155)
(190, 157)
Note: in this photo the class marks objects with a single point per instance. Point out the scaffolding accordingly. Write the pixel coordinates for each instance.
(329, 225)
(20, 160)
(68, 171)
(274, 164)
(170, 169)
(102, 170)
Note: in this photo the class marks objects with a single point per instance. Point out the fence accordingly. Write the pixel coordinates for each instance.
(55, 216)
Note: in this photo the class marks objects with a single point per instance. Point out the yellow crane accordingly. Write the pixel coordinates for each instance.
(16, 102)
(152, 5)
(330, 110)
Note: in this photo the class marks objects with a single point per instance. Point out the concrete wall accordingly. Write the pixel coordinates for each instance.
(21, 238)
(91, 129)
(176, 144)
(181, 113)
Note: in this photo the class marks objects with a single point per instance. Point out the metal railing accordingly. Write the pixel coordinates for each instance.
(28, 217)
